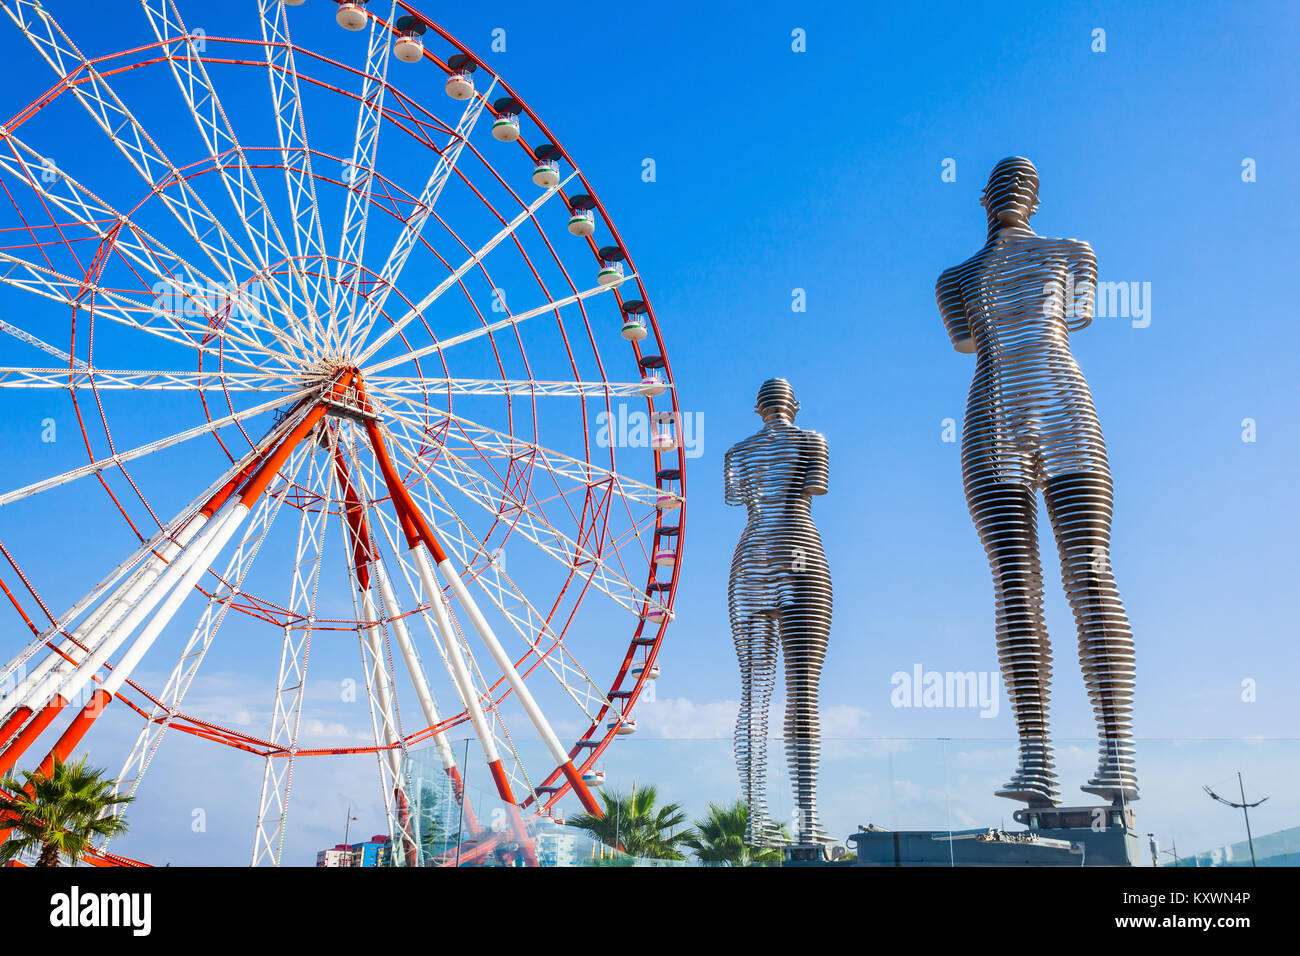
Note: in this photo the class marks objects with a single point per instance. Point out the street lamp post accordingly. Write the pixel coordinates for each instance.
(347, 825)
(1244, 807)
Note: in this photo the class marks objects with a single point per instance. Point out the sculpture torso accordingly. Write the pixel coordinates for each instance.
(774, 474)
(1016, 301)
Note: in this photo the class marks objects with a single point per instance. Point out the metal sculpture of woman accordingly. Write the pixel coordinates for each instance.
(1031, 426)
(780, 595)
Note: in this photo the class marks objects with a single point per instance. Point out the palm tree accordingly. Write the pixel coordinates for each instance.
(720, 838)
(635, 825)
(61, 813)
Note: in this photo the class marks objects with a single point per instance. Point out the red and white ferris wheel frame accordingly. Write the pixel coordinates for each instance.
(625, 687)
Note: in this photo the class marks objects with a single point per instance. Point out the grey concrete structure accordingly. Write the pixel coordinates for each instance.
(779, 597)
(1066, 836)
(1031, 427)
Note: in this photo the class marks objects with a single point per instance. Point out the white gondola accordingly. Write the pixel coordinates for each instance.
(650, 674)
(460, 86)
(652, 383)
(634, 326)
(294, 3)
(657, 614)
(610, 274)
(506, 127)
(409, 48)
(594, 778)
(666, 501)
(547, 173)
(351, 16)
(666, 557)
(582, 223)
(620, 726)
(662, 437)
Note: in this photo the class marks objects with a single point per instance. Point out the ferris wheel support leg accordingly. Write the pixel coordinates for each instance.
(29, 734)
(411, 522)
(140, 646)
(119, 603)
(16, 720)
(111, 610)
(460, 674)
(58, 688)
(517, 684)
(60, 685)
(418, 531)
(365, 566)
(416, 669)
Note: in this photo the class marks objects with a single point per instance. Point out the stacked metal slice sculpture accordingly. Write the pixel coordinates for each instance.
(1030, 427)
(779, 596)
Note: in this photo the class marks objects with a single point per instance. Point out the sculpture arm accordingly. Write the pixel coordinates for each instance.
(947, 292)
(817, 478)
(731, 479)
(1081, 266)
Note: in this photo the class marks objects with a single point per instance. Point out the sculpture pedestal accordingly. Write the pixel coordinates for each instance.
(1057, 836)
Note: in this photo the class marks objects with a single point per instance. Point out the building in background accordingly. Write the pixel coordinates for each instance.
(558, 845)
(338, 855)
(377, 851)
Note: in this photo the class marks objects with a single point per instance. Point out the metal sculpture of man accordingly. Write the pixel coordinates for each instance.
(779, 596)
(1031, 426)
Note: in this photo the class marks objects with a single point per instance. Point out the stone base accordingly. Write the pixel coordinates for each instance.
(1057, 836)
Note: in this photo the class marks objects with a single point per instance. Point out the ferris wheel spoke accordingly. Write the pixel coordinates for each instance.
(530, 522)
(489, 440)
(409, 237)
(173, 276)
(121, 309)
(218, 135)
(291, 685)
(401, 385)
(291, 131)
(141, 451)
(552, 307)
(514, 606)
(81, 78)
(85, 377)
(360, 177)
(507, 231)
(186, 668)
(465, 546)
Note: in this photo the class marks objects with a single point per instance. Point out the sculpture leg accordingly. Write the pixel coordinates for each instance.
(756, 650)
(805, 633)
(1080, 508)
(1006, 515)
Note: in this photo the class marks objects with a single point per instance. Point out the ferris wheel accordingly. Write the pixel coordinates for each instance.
(342, 330)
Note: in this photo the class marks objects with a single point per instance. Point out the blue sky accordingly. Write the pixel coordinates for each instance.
(820, 171)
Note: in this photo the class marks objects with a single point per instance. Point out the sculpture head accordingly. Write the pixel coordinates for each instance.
(1011, 195)
(776, 401)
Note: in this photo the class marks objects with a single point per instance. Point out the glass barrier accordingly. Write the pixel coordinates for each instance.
(900, 801)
